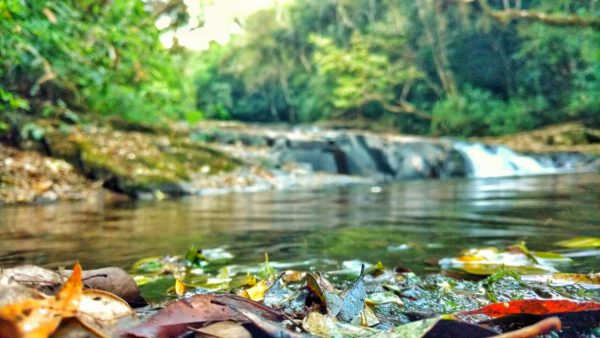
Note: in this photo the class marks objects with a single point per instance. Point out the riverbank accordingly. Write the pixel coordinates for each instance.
(116, 162)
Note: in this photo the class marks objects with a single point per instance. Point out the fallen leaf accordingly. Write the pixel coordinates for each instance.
(292, 276)
(588, 281)
(179, 287)
(277, 294)
(532, 306)
(30, 318)
(225, 329)
(44, 280)
(272, 328)
(257, 292)
(237, 303)
(328, 326)
(439, 327)
(101, 312)
(325, 293)
(377, 298)
(353, 300)
(517, 258)
(580, 242)
(41, 317)
(177, 316)
(68, 298)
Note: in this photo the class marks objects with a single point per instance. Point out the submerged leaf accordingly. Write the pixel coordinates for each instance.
(519, 259)
(589, 281)
(377, 298)
(580, 242)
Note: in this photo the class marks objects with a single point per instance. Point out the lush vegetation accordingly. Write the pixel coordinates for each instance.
(62, 58)
(426, 66)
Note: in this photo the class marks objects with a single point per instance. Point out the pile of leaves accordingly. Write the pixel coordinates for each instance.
(202, 294)
(27, 176)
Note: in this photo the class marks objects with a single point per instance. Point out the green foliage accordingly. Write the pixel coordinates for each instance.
(417, 66)
(102, 57)
(478, 112)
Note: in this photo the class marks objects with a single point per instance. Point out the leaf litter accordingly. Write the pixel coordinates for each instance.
(510, 293)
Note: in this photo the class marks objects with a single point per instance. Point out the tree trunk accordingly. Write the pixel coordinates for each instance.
(434, 23)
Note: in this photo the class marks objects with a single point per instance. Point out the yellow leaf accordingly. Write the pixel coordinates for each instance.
(179, 287)
(257, 292)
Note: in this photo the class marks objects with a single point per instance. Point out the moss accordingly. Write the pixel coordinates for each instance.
(134, 161)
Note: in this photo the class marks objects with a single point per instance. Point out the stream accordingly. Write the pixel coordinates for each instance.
(411, 223)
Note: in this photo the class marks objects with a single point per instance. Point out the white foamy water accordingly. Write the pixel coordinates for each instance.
(499, 161)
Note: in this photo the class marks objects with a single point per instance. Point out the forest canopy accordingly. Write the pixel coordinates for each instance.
(465, 67)
(424, 66)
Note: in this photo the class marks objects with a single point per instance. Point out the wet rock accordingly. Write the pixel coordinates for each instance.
(373, 156)
(141, 165)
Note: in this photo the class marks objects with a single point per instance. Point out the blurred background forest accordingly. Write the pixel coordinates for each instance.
(462, 68)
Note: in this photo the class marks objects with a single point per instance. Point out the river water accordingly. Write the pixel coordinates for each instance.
(404, 223)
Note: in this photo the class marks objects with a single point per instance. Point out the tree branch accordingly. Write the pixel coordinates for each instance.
(403, 106)
(549, 19)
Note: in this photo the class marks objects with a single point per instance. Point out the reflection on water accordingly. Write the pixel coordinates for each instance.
(402, 223)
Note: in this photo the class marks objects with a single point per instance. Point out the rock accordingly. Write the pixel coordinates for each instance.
(114, 280)
(369, 155)
(138, 164)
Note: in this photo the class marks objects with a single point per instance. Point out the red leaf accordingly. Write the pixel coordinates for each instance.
(533, 306)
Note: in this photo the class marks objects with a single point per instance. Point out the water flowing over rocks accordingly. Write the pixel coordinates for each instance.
(214, 158)
(394, 157)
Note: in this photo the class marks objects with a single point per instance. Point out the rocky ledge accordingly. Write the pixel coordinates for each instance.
(396, 157)
(80, 162)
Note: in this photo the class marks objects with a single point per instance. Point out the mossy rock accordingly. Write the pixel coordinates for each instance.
(138, 163)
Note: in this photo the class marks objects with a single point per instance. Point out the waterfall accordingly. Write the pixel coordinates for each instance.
(499, 161)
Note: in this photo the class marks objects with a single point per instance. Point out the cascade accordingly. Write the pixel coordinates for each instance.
(499, 161)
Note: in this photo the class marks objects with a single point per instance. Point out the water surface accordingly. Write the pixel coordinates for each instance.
(402, 223)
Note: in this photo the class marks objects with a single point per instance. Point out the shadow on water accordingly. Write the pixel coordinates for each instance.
(405, 223)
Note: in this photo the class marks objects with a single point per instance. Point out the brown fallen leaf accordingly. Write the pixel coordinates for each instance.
(112, 279)
(226, 329)
(100, 312)
(271, 328)
(40, 316)
(177, 316)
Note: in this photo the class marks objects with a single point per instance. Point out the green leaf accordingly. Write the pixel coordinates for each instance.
(378, 298)
(580, 242)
